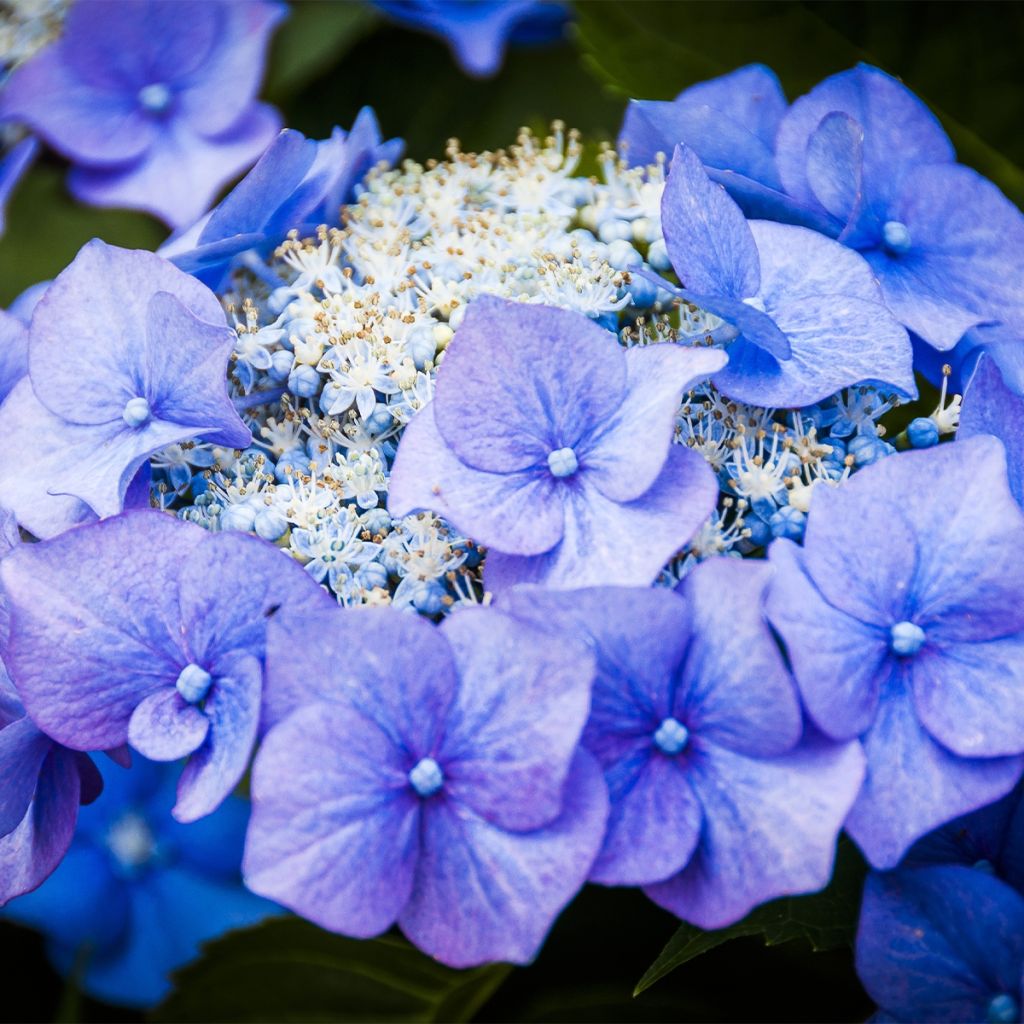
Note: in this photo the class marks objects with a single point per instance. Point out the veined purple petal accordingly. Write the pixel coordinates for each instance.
(730, 647)
(83, 655)
(612, 543)
(521, 511)
(395, 669)
(233, 710)
(517, 717)
(658, 378)
(913, 784)
(23, 748)
(335, 829)
(990, 407)
(165, 728)
(483, 894)
(708, 239)
(520, 381)
(839, 662)
(770, 829)
(88, 353)
(900, 132)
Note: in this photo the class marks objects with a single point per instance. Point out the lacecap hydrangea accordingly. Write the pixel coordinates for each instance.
(624, 440)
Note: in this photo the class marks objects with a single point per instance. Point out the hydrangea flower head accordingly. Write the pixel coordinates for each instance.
(297, 184)
(479, 30)
(153, 101)
(147, 630)
(942, 943)
(429, 776)
(126, 354)
(551, 444)
(943, 241)
(141, 890)
(718, 804)
(902, 616)
(808, 311)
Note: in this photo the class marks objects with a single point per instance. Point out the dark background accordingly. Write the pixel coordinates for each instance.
(965, 59)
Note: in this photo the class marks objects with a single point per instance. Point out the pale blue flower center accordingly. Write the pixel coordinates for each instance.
(136, 412)
(131, 842)
(193, 683)
(671, 737)
(906, 638)
(155, 97)
(897, 236)
(426, 777)
(1003, 1009)
(562, 462)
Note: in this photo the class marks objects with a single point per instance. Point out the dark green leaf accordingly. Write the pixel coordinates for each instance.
(289, 970)
(46, 227)
(314, 37)
(825, 920)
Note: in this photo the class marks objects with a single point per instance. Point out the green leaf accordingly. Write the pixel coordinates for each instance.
(289, 970)
(46, 227)
(825, 920)
(312, 39)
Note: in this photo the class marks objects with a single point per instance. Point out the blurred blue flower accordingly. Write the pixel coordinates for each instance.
(147, 630)
(903, 616)
(138, 892)
(429, 777)
(127, 354)
(808, 312)
(717, 802)
(942, 944)
(297, 184)
(153, 101)
(477, 31)
(550, 444)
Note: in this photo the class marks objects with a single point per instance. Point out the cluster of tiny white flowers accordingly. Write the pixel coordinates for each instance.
(340, 336)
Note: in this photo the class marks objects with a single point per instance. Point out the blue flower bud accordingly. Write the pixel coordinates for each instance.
(657, 256)
(421, 345)
(867, 449)
(644, 293)
(622, 255)
(270, 524)
(788, 522)
(760, 531)
(280, 365)
(371, 575)
(237, 517)
(1003, 1009)
(304, 381)
(923, 432)
(613, 230)
(379, 420)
